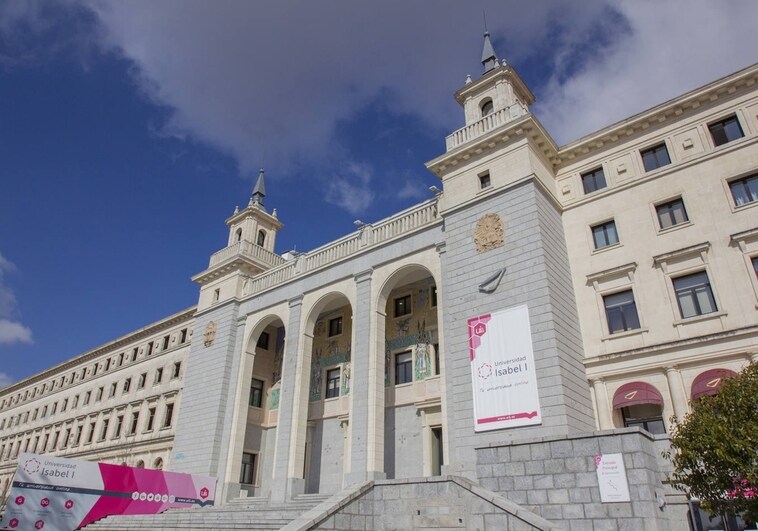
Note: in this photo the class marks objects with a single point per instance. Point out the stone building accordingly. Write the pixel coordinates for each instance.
(634, 248)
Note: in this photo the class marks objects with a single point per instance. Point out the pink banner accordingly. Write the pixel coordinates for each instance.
(65, 494)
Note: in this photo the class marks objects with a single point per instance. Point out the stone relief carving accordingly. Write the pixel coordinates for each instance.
(489, 233)
(210, 334)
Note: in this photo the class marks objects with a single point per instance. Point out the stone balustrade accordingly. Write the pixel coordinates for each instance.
(249, 249)
(485, 125)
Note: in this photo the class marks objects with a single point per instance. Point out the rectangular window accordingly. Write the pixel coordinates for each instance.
(78, 438)
(134, 354)
(112, 391)
(621, 312)
(403, 306)
(64, 405)
(66, 438)
(94, 371)
(150, 419)
(87, 396)
(177, 369)
(141, 381)
(725, 130)
(120, 359)
(150, 348)
(134, 423)
(247, 473)
(127, 384)
(403, 368)
(168, 417)
(104, 430)
(333, 383)
(158, 376)
(594, 180)
(34, 417)
(44, 412)
(434, 296)
(55, 408)
(605, 234)
(99, 395)
(91, 432)
(335, 326)
(485, 181)
(256, 393)
(119, 426)
(263, 341)
(671, 213)
(55, 440)
(166, 341)
(755, 265)
(655, 157)
(76, 402)
(436, 358)
(183, 336)
(744, 190)
(694, 295)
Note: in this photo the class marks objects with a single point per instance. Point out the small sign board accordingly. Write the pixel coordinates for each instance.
(611, 477)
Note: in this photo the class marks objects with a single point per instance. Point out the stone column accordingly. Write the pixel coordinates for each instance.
(677, 392)
(285, 484)
(603, 407)
(363, 390)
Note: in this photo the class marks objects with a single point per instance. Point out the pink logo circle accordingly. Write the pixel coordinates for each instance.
(39, 524)
(13, 523)
(68, 504)
(44, 502)
(480, 329)
(204, 493)
(20, 500)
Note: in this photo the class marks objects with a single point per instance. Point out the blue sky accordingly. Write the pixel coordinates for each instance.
(130, 130)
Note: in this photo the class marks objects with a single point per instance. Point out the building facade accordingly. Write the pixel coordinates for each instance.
(634, 248)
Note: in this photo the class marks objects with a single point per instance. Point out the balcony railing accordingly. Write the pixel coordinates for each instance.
(245, 248)
(483, 126)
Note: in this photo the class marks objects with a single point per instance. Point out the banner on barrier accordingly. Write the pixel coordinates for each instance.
(64, 494)
(504, 380)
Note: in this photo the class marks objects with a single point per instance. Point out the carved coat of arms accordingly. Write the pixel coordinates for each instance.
(210, 334)
(489, 233)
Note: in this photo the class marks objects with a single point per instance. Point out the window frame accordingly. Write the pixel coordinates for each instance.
(259, 402)
(743, 181)
(655, 149)
(248, 473)
(329, 390)
(721, 122)
(263, 340)
(593, 174)
(485, 180)
(408, 307)
(403, 369)
(604, 225)
(334, 326)
(608, 320)
(667, 204)
(691, 291)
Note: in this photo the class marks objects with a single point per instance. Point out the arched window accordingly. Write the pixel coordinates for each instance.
(158, 464)
(239, 235)
(487, 107)
(140, 464)
(261, 237)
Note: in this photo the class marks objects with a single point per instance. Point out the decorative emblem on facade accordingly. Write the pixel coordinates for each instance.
(210, 333)
(489, 233)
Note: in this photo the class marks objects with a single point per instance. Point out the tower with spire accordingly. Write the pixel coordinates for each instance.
(249, 250)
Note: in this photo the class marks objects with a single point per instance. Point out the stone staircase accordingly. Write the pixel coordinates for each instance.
(243, 513)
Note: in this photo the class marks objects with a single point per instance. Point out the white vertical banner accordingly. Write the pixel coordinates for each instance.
(611, 478)
(504, 380)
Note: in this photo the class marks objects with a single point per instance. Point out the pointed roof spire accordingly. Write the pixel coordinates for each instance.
(259, 192)
(489, 59)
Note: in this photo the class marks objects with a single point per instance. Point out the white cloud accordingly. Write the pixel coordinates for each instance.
(14, 332)
(667, 48)
(11, 331)
(5, 380)
(351, 190)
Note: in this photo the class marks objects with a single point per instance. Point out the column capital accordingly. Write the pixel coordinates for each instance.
(440, 247)
(670, 369)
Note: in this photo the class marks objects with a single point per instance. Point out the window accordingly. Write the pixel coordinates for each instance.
(119, 425)
(621, 312)
(150, 348)
(127, 384)
(434, 296)
(694, 295)
(134, 354)
(655, 157)
(107, 364)
(646, 416)
(91, 432)
(77, 439)
(87, 396)
(671, 213)
(403, 368)
(239, 235)
(605, 234)
(168, 417)
(403, 306)
(754, 260)
(333, 383)
(150, 419)
(142, 380)
(725, 130)
(247, 474)
(261, 238)
(55, 440)
(594, 180)
(112, 391)
(120, 359)
(487, 107)
(436, 358)
(64, 405)
(94, 372)
(744, 190)
(158, 376)
(177, 369)
(134, 423)
(335, 326)
(166, 341)
(44, 412)
(99, 395)
(217, 295)
(55, 408)
(104, 430)
(263, 341)
(76, 402)
(183, 336)
(485, 181)
(256, 393)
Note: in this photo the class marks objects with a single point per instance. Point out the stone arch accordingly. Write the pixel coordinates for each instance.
(486, 107)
